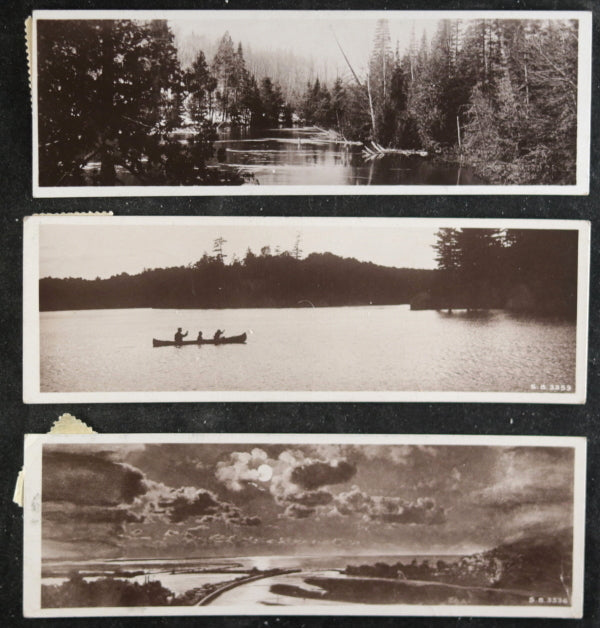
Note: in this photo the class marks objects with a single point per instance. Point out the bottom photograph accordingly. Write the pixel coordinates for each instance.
(290, 524)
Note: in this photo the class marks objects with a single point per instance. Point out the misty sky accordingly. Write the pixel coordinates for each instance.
(307, 37)
(226, 499)
(102, 251)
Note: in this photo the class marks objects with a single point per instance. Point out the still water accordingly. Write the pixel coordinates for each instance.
(371, 348)
(303, 156)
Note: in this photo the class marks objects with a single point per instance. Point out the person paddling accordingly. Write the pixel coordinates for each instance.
(199, 339)
(218, 334)
(179, 336)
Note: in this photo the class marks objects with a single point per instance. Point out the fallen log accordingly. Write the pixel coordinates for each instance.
(375, 151)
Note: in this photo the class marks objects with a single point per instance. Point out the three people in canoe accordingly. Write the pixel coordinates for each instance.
(179, 335)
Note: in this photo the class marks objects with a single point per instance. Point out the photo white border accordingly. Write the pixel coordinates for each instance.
(31, 320)
(584, 97)
(32, 534)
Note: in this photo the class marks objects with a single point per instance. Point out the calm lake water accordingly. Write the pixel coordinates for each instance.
(302, 157)
(371, 348)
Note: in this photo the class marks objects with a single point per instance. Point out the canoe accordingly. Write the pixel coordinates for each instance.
(205, 341)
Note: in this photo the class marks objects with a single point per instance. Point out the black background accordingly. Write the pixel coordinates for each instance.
(17, 418)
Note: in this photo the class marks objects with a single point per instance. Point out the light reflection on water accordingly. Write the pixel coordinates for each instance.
(303, 157)
(371, 348)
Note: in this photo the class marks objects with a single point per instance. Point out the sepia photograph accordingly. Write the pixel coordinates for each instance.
(282, 102)
(294, 524)
(192, 309)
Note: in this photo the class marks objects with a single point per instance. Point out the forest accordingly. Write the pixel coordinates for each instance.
(533, 271)
(499, 95)
(269, 279)
(523, 270)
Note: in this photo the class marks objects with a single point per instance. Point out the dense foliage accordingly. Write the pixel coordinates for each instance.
(500, 95)
(105, 592)
(519, 269)
(114, 93)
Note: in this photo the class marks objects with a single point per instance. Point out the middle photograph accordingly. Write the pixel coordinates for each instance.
(300, 309)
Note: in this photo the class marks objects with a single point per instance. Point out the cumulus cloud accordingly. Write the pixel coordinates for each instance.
(301, 482)
(295, 480)
(423, 510)
(316, 473)
(90, 497)
(241, 468)
(180, 504)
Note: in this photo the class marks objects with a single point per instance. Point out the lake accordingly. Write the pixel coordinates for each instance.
(369, 348)
(304, 156)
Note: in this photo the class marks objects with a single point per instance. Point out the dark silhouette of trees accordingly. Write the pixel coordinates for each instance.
(263, 280)
(110, 91)
(527, 270)
(104, 592)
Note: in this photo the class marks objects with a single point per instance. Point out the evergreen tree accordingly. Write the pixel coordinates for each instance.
(108, 90)
(200, 84)
(225, 70)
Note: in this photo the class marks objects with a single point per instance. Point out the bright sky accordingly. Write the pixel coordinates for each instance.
(311, 38)
(103, 251)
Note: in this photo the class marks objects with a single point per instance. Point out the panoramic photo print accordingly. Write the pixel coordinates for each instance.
(217, 524)
(255, 102)
(141, 308)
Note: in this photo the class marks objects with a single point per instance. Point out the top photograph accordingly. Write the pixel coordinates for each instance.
(163, 103)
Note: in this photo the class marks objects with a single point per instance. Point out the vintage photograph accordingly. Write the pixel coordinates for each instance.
(232, 524)
(256, 102)
(163, 308)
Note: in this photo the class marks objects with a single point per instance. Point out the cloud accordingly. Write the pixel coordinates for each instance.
(315, 474)
(297, 511)
(295, 480)
(180, 504)
(422, 511)
(66, 513)
(89, 498)
(532, 476)
(241, 468)
(89, 479)
(311, 498)
(400, 455)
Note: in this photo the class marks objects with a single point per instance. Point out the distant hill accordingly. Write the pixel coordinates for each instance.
(540, 563)
(319, 280)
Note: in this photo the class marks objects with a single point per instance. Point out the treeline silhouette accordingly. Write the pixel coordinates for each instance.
(264, 280)
(523, 270)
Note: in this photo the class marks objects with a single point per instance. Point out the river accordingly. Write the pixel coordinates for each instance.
(303, 156)
(368, 348)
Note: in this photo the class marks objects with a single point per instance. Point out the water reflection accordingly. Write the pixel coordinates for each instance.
(306, 156)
